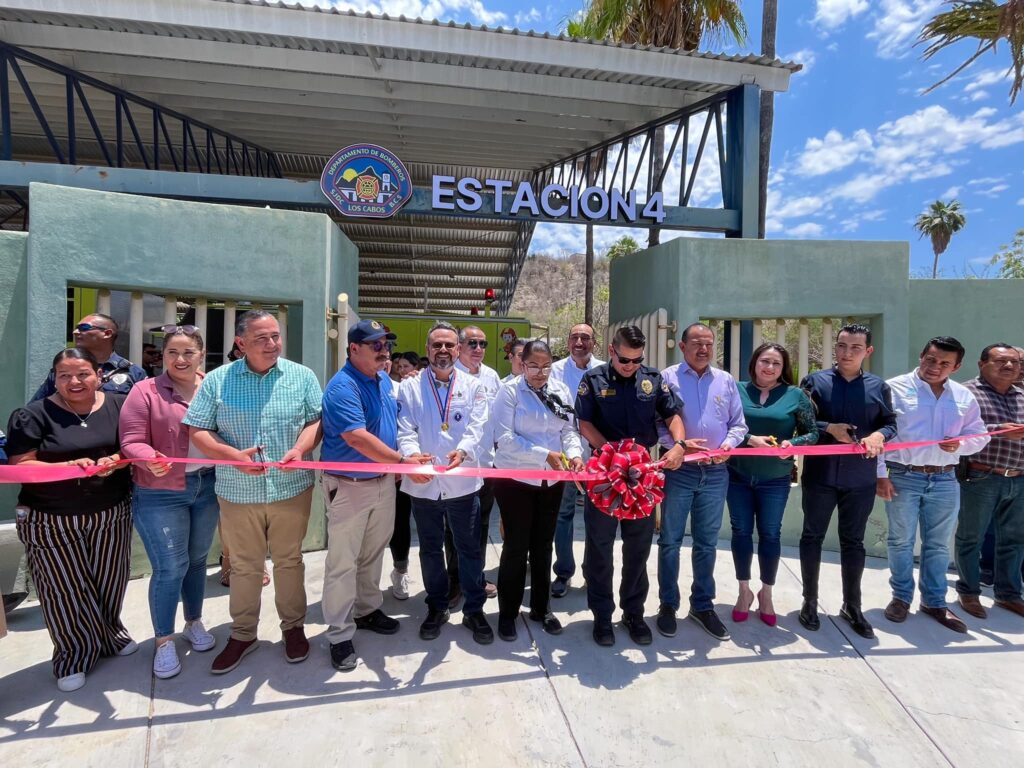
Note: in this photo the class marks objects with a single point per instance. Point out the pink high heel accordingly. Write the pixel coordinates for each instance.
(740, 616)
(768, 618)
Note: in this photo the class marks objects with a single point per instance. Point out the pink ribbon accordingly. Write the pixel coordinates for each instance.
(48, 473)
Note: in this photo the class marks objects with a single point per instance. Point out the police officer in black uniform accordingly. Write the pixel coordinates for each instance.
(621, 399)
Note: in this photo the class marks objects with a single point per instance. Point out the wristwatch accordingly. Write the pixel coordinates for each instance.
(681, 442)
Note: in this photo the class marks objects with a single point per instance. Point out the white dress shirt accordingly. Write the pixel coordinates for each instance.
(489, 382)
(922, 416)
(570, 374)
(419, 431)
(526, 429)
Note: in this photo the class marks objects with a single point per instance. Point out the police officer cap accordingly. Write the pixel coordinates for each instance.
(369, 330)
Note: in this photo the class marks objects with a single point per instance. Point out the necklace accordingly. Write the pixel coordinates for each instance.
(81, 421)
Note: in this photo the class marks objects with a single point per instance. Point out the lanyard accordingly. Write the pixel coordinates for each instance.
(442, 408)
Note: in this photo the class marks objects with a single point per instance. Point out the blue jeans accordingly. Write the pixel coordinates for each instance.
(763, 502)
(177, 528)
(463, 516)
(982, 498)
(565, 561)
(700, 489)
(932, 501)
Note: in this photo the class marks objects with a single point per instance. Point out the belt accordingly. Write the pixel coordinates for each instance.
(928, 469)
(348, 479)
(978, 466)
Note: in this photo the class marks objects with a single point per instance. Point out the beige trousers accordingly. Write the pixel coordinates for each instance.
(360, 521)
(249, 530)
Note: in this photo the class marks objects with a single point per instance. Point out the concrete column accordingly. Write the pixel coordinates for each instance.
(343, 324)
(802, 348)
(201, 309)
(170, 310)
(103, 301)
(229, 327)
(734, 348)
(757, 340)
(780, 332)
(826, 343)
(135, 322)
(282, 321)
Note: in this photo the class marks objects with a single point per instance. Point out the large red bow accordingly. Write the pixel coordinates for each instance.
(634, 484)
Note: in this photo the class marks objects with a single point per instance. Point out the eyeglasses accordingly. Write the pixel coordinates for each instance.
(83, 327)
(629, 360)
(437, 346)
(378, 346)
(189, 355)
(584, 337)
(535, 370)
(173, 330)
(474, 343)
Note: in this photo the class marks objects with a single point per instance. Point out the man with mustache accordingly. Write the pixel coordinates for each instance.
(443, 413)
(360, 421)
(570, 372)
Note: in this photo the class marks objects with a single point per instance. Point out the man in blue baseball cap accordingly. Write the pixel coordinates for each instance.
(360, 417)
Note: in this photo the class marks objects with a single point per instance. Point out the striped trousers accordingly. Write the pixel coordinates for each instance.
(80, 565)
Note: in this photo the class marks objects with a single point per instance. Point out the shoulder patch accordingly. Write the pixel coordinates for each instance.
(582, 390)
(664, 387)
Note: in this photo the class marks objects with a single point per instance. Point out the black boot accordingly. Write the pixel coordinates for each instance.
(857, 622)
(809, 614)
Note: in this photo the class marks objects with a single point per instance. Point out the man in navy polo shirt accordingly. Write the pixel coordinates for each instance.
(360, 419)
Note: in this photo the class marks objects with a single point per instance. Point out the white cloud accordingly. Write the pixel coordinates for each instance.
(994, 191)
(1021, 201)
(863, 187)
(985, 78)
(804, 56)
(528, 17)
(950, 193)
(807, 229)
(984, 180)
(832, 153)
(898, 22)
(443, 10)
(794, 207)
(832, 14)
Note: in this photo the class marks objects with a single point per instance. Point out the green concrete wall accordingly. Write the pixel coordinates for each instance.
(696, 278)
(977, 312)
(13, 298)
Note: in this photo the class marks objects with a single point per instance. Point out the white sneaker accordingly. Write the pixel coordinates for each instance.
(129, 649)
(399, 584)
(71, 682)
(197, 635)
(165, 661)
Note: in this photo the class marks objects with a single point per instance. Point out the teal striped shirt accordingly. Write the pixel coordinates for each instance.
(248, 409)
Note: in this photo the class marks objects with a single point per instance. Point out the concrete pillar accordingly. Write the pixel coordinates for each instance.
(826, 343)
(802, 348)
(780, 332)
(135, 322)
(170, 310)
(343, 324)
(734, 349)
(229, 327)
(757, 340)
(282, 321)
(103, 301)
(201, 310)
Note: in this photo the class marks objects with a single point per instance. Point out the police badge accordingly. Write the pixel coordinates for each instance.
(647, 386)
(120, 379)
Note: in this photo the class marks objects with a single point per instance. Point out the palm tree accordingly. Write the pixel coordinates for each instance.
(940, 222)
(769, 24)
(986, 21)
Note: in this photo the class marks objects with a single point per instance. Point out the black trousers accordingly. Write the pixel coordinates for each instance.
(486, 496)
(529, 514)
(598, 561)
(401, 539)
(855, 506)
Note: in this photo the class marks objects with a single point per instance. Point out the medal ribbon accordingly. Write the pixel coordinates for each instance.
(442, 408)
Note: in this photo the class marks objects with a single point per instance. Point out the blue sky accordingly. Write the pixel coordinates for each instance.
(858, 151)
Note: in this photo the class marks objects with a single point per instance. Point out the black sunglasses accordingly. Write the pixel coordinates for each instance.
(474, 343)
(379, 346)
(173, 330)
(629, 360)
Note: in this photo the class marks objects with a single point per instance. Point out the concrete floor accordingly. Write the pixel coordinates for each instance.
(918, 696)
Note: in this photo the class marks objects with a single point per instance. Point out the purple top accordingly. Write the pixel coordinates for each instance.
(711, 406)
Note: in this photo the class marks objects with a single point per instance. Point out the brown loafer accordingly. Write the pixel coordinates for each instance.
(946, 618)
(296, 646)
(1016, 606)
(232, 655)
(897, 610)
(973, 606)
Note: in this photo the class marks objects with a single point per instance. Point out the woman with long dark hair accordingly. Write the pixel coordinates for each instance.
(779, 415)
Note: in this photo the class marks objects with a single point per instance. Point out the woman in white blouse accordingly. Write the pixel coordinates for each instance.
(534, 428)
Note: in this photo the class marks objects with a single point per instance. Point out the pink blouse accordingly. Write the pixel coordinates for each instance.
(151, 422)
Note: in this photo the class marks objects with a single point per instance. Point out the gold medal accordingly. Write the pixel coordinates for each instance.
(444, 426)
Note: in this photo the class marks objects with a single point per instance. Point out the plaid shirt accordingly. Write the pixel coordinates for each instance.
(999, 409)
(248, 409)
